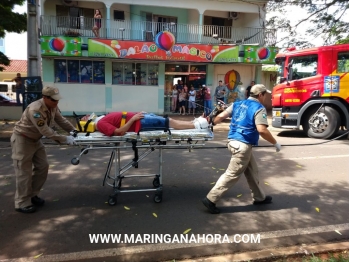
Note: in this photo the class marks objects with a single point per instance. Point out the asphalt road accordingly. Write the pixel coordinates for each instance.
(309, 185)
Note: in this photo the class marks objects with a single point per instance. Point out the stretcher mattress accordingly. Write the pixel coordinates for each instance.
(145, 136)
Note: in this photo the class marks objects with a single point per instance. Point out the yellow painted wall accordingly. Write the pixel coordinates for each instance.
(10, 75)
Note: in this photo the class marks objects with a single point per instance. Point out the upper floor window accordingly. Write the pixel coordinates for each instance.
(79, 71)
(119, 15)
(74, 17)
(343, 62)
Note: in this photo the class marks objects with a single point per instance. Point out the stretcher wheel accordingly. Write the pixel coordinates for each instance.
(112, 201)
(85, 151)
(75, 161)
(156, 182)
(157, 198)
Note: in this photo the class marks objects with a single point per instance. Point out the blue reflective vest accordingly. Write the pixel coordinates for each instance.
(242, 126)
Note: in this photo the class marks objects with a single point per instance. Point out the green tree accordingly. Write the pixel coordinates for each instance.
(328, 19)
(10, 22)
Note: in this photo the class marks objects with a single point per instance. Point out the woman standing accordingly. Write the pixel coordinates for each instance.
(98, 22)
(186, 91)
(182, 96)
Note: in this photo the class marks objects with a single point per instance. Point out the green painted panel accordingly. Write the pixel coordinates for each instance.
(108, 97)
(161, 75)
(209, 74)
(161, 99)
(48, 70)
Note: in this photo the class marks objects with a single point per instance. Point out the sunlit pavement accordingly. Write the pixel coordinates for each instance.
(309, 185)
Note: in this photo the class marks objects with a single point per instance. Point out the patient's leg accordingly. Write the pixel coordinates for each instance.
(198, 123)
(179, 124)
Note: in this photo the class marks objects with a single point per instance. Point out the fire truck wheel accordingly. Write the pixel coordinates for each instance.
(323, 125)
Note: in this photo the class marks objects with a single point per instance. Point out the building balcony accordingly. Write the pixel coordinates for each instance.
(146, 31)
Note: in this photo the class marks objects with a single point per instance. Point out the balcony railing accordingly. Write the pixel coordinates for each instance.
(146, 31)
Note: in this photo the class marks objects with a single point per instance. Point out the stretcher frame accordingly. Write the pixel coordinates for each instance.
(149, 141)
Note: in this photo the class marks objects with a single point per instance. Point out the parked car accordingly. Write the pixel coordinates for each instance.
(7, 101)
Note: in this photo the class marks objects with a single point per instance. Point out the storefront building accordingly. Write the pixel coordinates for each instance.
(145, 50)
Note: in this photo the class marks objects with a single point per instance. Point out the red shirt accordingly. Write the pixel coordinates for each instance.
(112, 121)
(208, 94)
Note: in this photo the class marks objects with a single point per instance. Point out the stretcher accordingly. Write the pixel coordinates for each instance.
(148, 142)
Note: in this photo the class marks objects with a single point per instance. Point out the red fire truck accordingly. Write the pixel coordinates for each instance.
(312, 90)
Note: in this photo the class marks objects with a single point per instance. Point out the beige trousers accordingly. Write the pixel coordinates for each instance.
(31, 168)
(242, 161)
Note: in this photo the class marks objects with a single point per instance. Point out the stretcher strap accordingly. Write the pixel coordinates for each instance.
(123, 120)
(77, 118)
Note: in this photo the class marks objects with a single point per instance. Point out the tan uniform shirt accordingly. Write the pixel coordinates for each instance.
(36, 122)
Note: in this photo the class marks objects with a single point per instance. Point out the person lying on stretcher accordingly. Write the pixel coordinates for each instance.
(118, 123)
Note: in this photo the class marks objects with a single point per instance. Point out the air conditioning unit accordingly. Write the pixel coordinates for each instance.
(70, 3)
(148, 36)
(233, 15)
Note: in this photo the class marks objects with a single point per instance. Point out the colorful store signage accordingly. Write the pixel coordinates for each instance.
(163, 49)
(257, 54)
(60, 46)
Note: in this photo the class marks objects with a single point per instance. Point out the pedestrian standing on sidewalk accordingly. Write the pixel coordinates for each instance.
(248, 89)
(207, 100)
(19, 88)
(192, 96)
(28, 152)
(221, 92)
(248, 122)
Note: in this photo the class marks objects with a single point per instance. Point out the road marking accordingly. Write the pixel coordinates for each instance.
(163, 247)
(312, 157)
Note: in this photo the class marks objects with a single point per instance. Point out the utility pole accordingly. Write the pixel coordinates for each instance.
(32, 39)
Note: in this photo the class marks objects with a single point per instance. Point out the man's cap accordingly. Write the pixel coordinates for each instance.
(52, 92)
(220, 81)
(257, 89)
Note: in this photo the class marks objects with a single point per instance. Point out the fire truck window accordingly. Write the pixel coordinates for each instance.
(343, 62)
(304, 66)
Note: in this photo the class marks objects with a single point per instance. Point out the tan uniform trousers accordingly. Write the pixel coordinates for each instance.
(242, 161)
(31, 168)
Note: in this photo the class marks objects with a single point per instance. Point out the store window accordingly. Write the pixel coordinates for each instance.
(135, 73)
(73, 71)
(176, 68)
(86, 71)
(79, 71)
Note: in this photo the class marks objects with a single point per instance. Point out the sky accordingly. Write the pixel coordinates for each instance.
(301, 13)
(16, 44)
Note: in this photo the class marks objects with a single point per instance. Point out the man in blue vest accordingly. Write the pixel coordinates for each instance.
(248, 122)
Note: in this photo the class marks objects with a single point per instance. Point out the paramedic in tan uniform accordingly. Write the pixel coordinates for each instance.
(28, 152)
